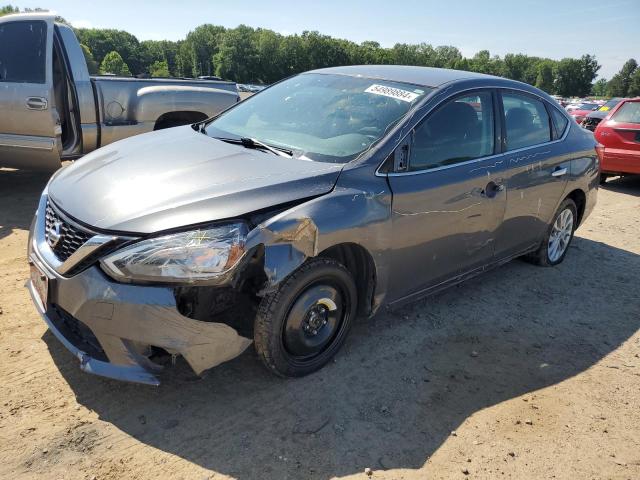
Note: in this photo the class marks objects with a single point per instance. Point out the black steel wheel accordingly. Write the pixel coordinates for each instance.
(303, 324)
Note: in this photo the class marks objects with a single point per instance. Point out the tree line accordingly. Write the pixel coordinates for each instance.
(258, 55)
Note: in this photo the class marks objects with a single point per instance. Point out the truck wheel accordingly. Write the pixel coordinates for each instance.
(303, 324)
(558, 236)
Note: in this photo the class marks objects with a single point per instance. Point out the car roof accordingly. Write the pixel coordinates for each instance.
(46, 16)
(425, 76)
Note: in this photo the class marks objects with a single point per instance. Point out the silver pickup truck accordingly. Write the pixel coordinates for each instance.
(52, 110)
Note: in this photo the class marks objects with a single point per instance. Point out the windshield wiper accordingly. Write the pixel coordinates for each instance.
(257, 145)
(253, 143)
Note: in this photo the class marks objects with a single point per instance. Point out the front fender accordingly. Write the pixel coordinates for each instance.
(345, 215)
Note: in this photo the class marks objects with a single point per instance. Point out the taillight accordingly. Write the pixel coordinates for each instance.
(600, 152)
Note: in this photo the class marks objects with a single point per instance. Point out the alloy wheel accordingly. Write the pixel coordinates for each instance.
(560, 235)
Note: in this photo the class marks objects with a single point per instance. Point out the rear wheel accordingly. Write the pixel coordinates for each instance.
(303, 324)
(558, 237)
(603, 178)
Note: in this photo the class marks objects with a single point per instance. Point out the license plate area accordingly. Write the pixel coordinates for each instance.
(40, 283)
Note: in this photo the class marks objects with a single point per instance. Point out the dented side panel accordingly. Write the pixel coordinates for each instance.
(357, 211)
(444, 222)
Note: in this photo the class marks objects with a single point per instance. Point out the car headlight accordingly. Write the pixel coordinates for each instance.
(191, 257)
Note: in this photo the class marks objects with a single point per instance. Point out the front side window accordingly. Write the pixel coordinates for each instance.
(23, 51)
(321, 117)
(526, 121)
(460, 130)
(629, 112)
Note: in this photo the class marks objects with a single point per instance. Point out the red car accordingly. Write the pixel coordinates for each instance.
(619, 138)
(580, 113)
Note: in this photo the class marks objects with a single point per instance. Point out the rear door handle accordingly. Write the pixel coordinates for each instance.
(37, 103)
(559, 171)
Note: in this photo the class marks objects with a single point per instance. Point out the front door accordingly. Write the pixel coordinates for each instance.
(29, 126)
(449, 199)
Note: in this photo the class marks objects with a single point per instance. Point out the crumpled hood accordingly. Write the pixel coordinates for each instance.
(178, 177)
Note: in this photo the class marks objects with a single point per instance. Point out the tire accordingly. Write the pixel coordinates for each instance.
(603, 178)
(546, 256)
(289, 334)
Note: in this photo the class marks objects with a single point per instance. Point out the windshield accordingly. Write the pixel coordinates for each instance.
(609, 105)
(587, 106)
(322, 117)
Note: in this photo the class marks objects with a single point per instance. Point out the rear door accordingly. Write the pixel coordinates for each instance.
(29, 126)
(448, 197)
(537, 168)
(622, 140)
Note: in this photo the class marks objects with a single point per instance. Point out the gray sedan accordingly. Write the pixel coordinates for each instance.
(286, 217)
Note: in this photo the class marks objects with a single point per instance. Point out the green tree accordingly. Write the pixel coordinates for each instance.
(103, 41)
(634, 85)
(483, 62)
(600, 87)
(159, 69)
(544, 78)
(574, 76)
(620, 83)
(152, 51)
(237, 57)
(8, 9)
(92, 65)
(203, 44)
(515, 66)
(113, 63)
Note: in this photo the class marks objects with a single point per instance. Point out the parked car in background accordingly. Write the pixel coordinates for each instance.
(582, 111)
(592, 119)
(311, 203)
(53, 110)
(619, 138)
(250, 88)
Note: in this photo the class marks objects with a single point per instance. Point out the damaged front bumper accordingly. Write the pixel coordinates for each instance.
(111, 327)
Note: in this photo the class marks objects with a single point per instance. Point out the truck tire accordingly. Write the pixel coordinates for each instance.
(302, 325)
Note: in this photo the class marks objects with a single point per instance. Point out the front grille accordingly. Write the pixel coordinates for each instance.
(591, 123)
(71, 236)
(76, 332)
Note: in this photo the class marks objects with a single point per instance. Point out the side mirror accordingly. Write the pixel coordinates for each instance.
(401, 155)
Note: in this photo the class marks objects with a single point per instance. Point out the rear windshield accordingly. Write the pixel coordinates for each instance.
(629, 112)
(330, 118)
(587, 106)
(609, 105)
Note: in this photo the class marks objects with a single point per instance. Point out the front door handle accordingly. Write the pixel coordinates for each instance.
(559, 171)
(492, 189)
(37, 103)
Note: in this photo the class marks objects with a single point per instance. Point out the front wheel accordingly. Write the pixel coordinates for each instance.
(303, 324)
(558, 237)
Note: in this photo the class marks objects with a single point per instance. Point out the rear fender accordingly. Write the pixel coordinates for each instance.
(153, 101)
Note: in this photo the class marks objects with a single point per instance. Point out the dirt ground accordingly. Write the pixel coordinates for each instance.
(522, 373)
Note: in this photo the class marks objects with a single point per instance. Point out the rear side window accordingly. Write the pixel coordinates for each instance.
(629, 112)
(560, 121)
(526, 120)
(23, 50)
(460, 130)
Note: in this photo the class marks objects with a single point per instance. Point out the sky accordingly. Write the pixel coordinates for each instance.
(610, 29)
